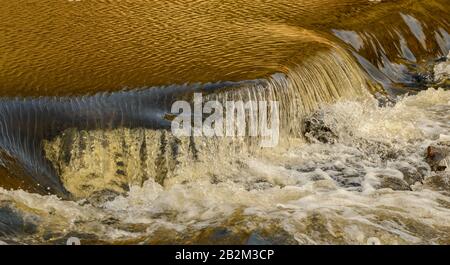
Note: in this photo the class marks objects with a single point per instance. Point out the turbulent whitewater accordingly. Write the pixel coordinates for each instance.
(85, 112)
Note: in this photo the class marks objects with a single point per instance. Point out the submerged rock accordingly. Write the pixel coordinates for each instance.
(384, 100)
(439, 181)
(13, 222)
(411, 175)
(438, 156)
(316, 130)
(442, 72)
(393, 183)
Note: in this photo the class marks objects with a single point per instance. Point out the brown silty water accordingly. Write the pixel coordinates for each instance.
(129, 180)
(79, 47)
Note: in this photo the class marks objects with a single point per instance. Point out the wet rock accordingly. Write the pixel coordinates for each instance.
(271, 236)
(101, 197)
(438, 156)
(259, 184)
(411, 175)
(422, 79)
(14, 223)
(384, 100)
(256, 239)
(439, 181)
(110, 221)
(316, 130)
(215, 179)
(393, 183)
(442, 72)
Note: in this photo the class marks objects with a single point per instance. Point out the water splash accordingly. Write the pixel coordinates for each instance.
(313, 193)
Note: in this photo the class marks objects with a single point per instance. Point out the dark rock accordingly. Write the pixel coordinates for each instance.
(439, 181)
(13, 222)
(110, 221)
(384, 100)
(437, 156)
(256, 239)
(259, 184)
(315, 129)
(215, 179)
(422, 79)
(411, 175)
(100, 197)
(393, 183)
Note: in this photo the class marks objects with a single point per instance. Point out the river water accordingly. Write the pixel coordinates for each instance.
(101, 167)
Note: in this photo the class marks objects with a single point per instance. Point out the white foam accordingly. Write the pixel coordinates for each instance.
(316, 193)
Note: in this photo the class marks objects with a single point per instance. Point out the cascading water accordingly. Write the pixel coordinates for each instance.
(125, 178)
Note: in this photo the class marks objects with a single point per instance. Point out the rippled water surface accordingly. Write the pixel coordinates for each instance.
(62, 47)
(86, 87)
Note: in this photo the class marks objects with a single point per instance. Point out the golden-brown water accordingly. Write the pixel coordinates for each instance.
(61, 47)
(132, 182)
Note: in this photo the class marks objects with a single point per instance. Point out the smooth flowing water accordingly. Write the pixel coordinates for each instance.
(87, 87)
